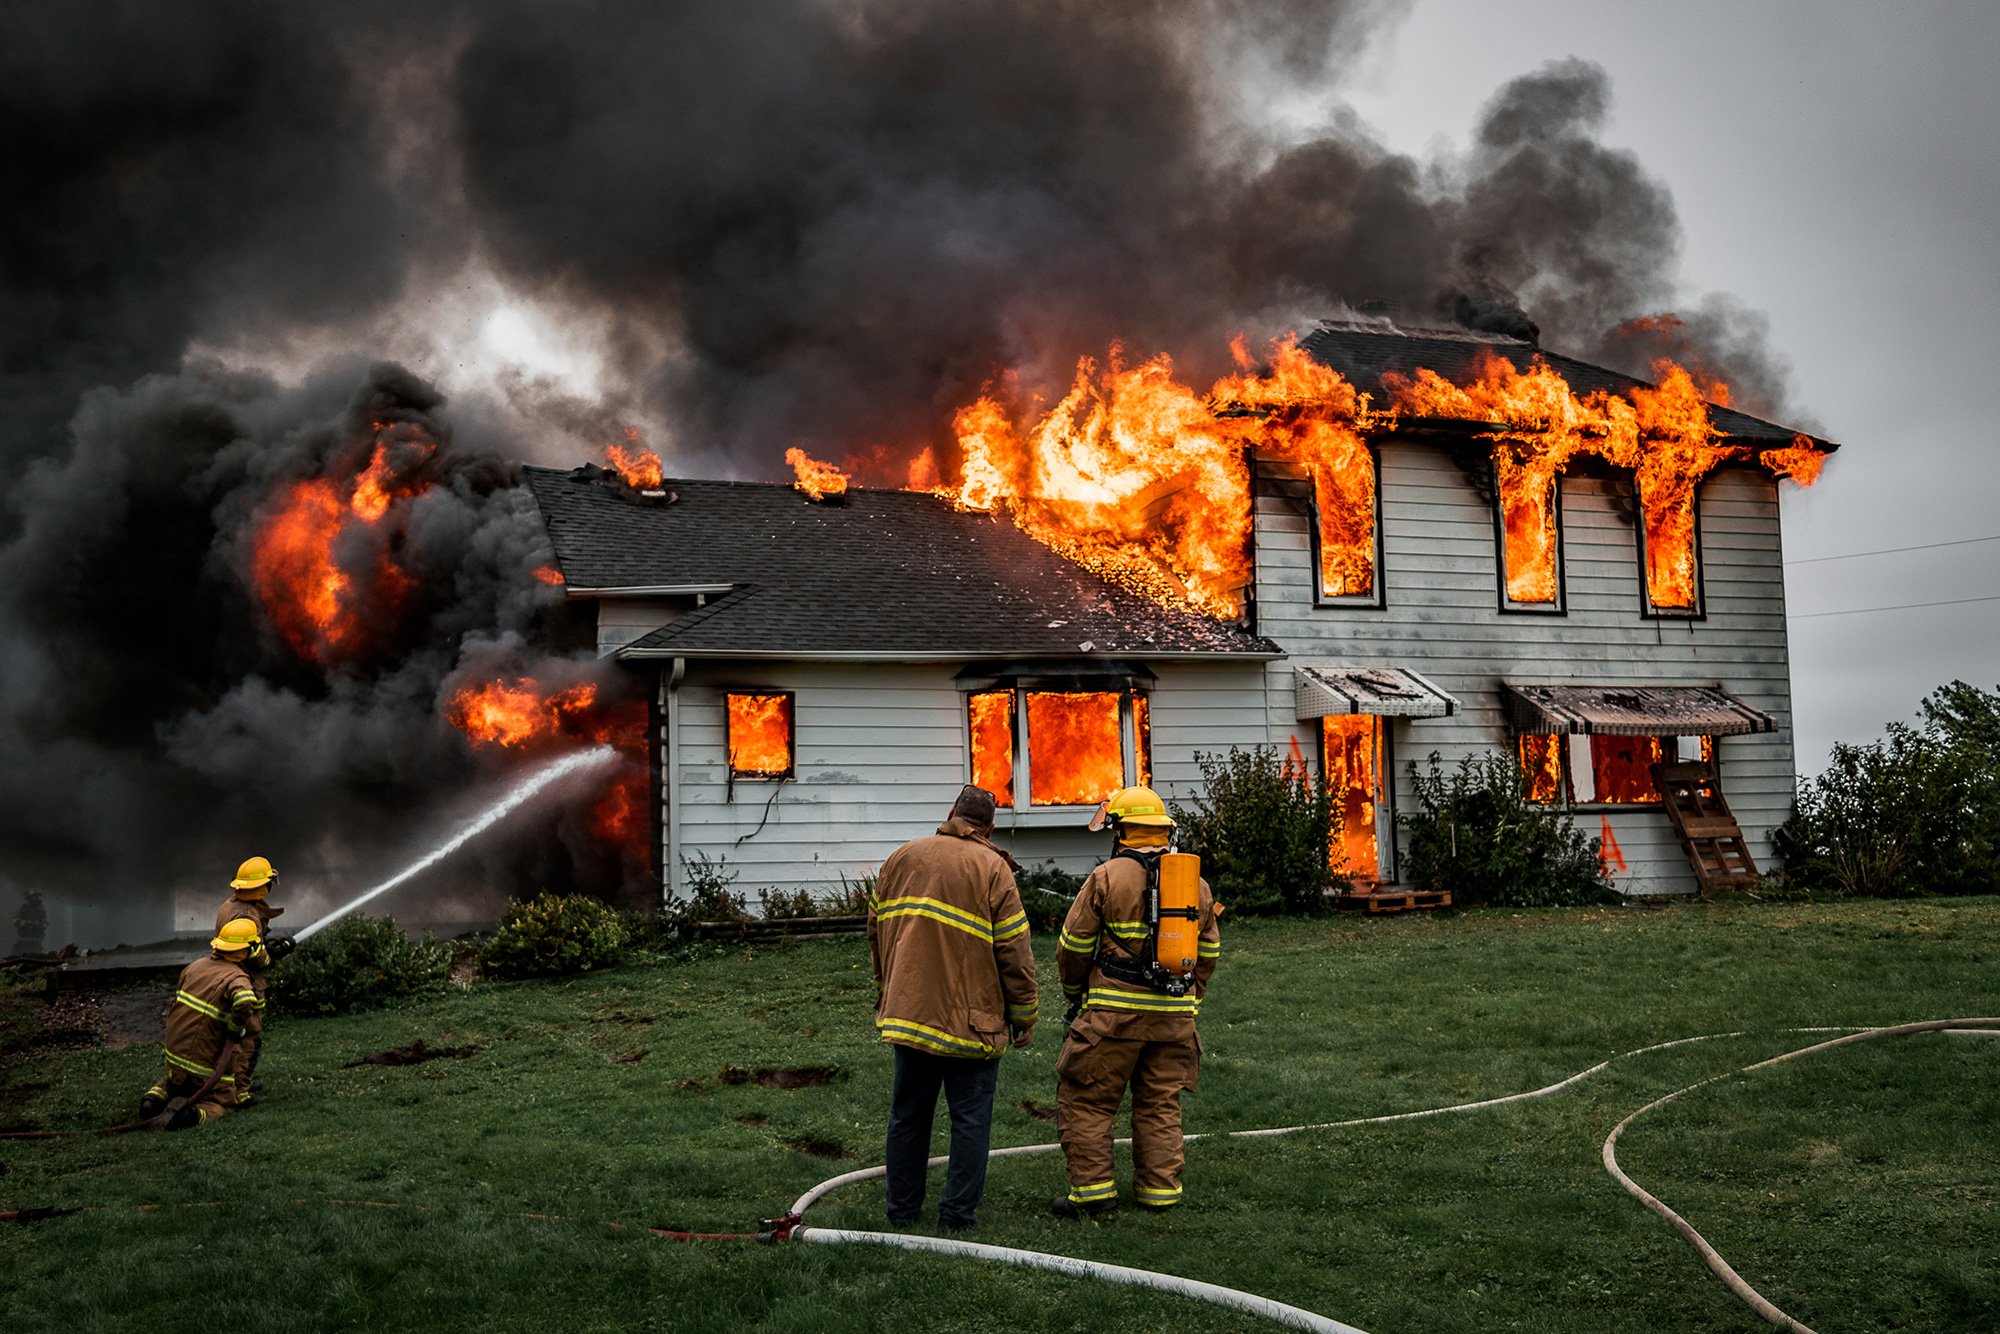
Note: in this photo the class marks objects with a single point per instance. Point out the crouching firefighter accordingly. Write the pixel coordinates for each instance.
(1135, 957)
(250, 896)
(215, 1006)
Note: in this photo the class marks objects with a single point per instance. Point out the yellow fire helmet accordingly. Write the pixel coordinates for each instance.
(257, 873)
(1139, 806)
(238, 933)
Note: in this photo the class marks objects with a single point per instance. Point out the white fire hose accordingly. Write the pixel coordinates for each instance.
(1294, 1317)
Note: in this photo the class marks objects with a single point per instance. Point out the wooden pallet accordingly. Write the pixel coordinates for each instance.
(1395, 900)
(1709, 834)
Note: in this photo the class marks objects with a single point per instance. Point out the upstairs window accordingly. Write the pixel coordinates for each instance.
(1602, 770)
(760, 734)
(1347, 533)
(1669, 545)
(1058, 747)
(1528, 500)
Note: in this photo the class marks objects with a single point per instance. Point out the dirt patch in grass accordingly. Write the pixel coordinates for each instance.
(819, 1148)
(625, 1017)
(1038, 1110)
(629, 1058)
(752, 1119)
(797, 1077)
(415, 1054)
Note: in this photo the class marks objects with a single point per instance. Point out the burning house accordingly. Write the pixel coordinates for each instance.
(1377, 544)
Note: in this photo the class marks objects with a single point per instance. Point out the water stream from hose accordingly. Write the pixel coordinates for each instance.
(492, 815)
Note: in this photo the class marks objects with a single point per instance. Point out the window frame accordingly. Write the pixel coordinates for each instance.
(1508, 606)
(1377, 597)
(1710, 749)
(1130, 736)
(1647, 609)
(791, 735)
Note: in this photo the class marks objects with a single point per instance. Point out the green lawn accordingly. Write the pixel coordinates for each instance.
(1858, 1189)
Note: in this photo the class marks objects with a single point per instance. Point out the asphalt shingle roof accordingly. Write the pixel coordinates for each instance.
(884, 574)
(1364, 353)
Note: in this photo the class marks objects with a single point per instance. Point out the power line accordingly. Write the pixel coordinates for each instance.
(1890, 551)
(1900, 606)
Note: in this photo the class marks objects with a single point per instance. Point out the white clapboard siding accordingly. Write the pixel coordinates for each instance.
(622, 620)
(1442, 618)
(881, 752)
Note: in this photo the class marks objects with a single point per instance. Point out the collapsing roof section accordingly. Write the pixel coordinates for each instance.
(886, 574)
(1364, 351)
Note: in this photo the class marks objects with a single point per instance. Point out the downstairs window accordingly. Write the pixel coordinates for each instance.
(1060, 747)
(1602, 770)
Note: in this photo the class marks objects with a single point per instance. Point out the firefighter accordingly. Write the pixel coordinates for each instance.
(250, 895)
(1133, 1024)
(956, 979)
(215, 1000)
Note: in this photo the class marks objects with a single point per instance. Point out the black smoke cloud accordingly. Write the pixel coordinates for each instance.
(804, 222)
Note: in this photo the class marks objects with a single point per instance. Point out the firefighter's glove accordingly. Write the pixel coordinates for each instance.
(1023, 1036)
(279, 946)
(185, 1119)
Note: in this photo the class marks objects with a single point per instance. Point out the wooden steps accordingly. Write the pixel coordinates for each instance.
(1391, 899)
(1702, 820)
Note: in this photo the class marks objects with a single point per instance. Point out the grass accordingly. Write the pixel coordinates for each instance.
(1856, 1189)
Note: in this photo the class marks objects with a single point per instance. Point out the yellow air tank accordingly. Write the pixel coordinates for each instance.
(1180, 911)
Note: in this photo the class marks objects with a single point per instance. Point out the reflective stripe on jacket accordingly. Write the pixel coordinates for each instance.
(214, 998)
(949, 944)
(1110, 914)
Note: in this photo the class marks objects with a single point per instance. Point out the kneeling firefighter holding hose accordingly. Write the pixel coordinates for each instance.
(1135, 957)
(215, 1008)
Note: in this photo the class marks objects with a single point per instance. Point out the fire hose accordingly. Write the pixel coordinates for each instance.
(791, 1226)
(157, 1121)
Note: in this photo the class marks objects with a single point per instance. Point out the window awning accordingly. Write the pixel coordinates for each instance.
(1395, 692)
(1609, 710)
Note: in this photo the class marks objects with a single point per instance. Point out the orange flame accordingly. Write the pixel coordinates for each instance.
(816, 479)
(1350, 776)
(1801, 461)
(1621, 767)
(638, 467)
(991, 718)
(521, 714)
(550, 575)
(760, 734)
(1541, 766)
(1075, 748)
(326, 610)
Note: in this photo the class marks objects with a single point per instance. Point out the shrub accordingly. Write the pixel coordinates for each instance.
(1046, 892)
(1476, 834)
(709, 898)
(1917, 812)
(358, 962)
(775, 903)
(554, 935)
(1261, 828)
(856, 896)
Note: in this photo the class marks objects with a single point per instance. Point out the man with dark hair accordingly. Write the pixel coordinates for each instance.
(956, 977)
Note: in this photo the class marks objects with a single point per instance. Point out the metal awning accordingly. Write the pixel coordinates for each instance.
(1609, 710)
(1395, 692)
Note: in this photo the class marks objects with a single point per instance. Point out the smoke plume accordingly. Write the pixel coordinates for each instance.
(814, 223)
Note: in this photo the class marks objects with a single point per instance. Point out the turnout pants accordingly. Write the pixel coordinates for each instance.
(1092, 1075)
(250, 1046)
(176, 1083)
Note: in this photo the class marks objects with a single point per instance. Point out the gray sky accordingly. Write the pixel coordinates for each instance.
(1835, 167)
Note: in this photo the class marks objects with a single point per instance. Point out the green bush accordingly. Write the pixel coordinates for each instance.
(1261, 829)
(555, 935)
(1917, 812)
(856, 896)
(1046, 892)
(709, 898)
(1476, 834)
(358, 962)
(774, 904)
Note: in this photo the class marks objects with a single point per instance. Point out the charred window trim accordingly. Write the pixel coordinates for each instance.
(1647, 611)
(1377, 596)
(1130, 735)
(1508, 606)
(791, 733)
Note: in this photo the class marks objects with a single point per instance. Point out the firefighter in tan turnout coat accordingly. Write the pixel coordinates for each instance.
(215, 1000)
(1133, 1027)
(250, 896)
(957, 983)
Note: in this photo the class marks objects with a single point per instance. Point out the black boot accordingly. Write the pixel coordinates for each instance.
(151, 1106)
(1064, 1207)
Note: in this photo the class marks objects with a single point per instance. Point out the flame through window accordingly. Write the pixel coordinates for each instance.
(1077, 747)
(1601, 770)
(1351, 758)
(760, 735)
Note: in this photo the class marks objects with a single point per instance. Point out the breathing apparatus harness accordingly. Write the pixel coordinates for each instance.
(1142, 967)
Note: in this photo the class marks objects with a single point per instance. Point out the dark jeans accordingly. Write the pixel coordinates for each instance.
(968, 1091)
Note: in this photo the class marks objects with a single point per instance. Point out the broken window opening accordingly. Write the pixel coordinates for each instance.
(1670, 549)
(1348, 530)
(1530, 521)
(760, 734)
(1579, 770)
(1063, 748)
